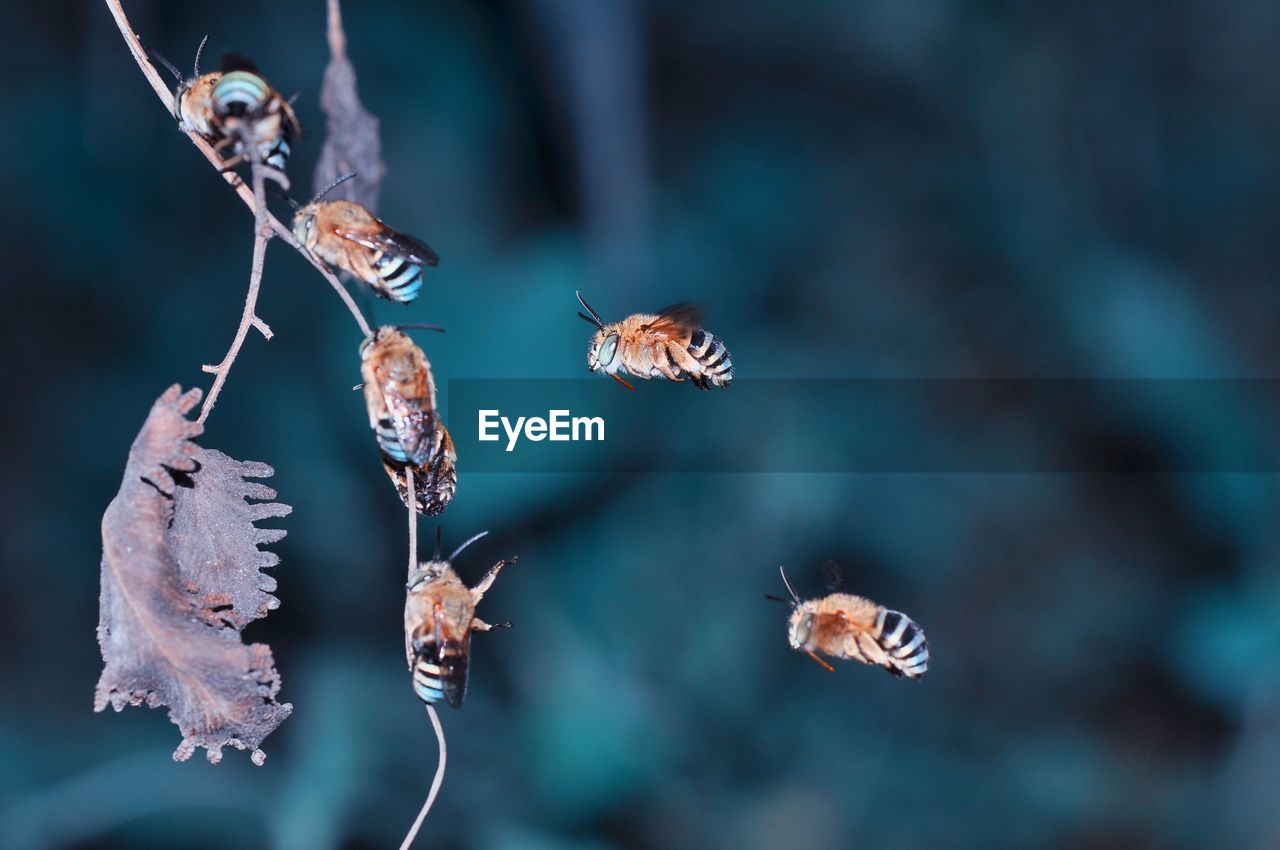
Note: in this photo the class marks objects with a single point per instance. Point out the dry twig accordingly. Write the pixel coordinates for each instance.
(435, 783)
(249, 318)
(430, 709)
(413, 522)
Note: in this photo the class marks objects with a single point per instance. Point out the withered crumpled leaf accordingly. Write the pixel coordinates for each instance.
(180, 579)
(352, 140)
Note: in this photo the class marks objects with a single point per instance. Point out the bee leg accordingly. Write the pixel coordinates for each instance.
(814, 656)
(667, 366)
(478, 625)
(478, 592)
(682, 359)
(690, 365)
(619, 380)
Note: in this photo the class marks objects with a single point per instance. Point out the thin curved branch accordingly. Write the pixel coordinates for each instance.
(431, 711)
(413, 519)
(435, 783)
(246, 194)
(249, 318)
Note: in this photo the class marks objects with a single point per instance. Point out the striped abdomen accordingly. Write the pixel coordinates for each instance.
(394, 449)
(716, 367)
(245, 97)
(426, 680)
(440, 676)
(396, 279)
(903, 645)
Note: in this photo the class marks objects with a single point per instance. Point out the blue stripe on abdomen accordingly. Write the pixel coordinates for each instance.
(427, 694)
(240, 88)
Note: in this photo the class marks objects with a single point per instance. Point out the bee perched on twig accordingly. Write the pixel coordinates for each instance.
(439, 617)
(193, 97)
(670, 344)
(346, 235)
(842, 625)
(236, 108)
(400, 395)
(252, 118)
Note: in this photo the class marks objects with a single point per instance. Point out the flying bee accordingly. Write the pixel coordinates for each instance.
(193, 97)
(842, 625)
(346, 235)
(439, 617)
(670, 344)
(434, 482)
(400, 394)
(252, 118)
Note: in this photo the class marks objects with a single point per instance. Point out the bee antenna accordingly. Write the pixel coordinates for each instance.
(439, 531)
(422, 326)
(473, 539)
(594, 318)
(200, 50)
(790, 589)
(773, 598)
(335, 184)
(155, 54)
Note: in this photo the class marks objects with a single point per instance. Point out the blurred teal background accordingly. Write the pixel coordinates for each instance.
(875, 189)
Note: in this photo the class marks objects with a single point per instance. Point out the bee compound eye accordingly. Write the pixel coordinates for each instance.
(608, 350)
(803, 629)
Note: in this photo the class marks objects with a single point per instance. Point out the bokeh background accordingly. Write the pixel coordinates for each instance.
(865, 189)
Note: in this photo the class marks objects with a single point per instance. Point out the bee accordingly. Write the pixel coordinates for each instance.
(434, 482)
(193, 97)
(252, 118)
(439, 617)
(400, 394)
(346, 235)
(237, 108)
(670, 344)
(842, 625)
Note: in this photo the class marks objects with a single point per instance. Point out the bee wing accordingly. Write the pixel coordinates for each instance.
(455, 662)
(676, 320)
(394, 243)
(452, 653)
(834, 576)
(238, 62)
(413, 420)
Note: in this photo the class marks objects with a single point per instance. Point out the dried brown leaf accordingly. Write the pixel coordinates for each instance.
(216, 543)
(180, 578)
(352, 139)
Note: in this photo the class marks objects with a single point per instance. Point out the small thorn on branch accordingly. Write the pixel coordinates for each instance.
(248, 318)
